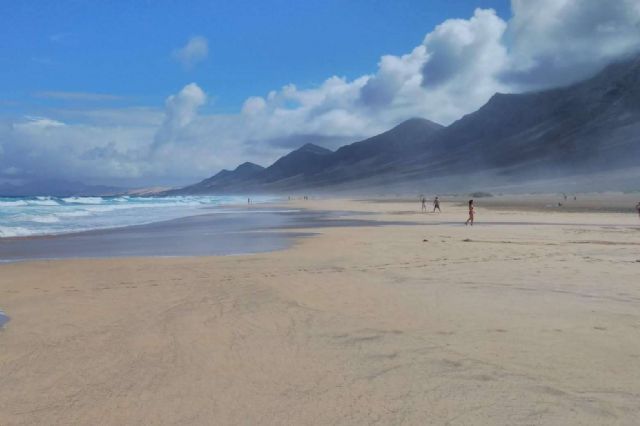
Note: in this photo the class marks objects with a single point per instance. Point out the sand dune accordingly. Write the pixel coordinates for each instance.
(532, 319)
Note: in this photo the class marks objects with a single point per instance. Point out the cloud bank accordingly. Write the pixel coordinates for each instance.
(456, 68)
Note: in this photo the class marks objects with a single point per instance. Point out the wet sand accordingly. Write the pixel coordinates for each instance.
(239, 231)
(532, 320)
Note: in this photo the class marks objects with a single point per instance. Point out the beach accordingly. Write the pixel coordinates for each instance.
(530, 317)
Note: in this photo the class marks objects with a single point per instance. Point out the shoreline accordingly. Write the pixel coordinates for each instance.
(404, 323)
(53, 216)
(258, 229)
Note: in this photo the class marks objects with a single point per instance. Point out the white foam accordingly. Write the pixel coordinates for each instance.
(43, 202)
(75, 213)
(47, 218)
(13, 203)
(83, 200)
(50, 215)
(15, 231)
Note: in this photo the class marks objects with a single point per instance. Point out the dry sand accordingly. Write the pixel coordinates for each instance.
(503, 324)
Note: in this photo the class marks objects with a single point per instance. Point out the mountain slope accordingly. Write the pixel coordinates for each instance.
(398, 142)
(380, 154)
(243, 174)
(304, 160)
(589, 127)
(312, 165)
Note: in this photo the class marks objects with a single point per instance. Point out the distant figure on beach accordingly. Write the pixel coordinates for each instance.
(436, 205)
(471, 213)
(638, 208)
(248, 200)
(424, 204)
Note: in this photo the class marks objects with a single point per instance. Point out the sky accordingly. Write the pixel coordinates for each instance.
(139, 93)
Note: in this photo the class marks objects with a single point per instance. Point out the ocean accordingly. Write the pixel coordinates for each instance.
(36, 216)
(109, 227)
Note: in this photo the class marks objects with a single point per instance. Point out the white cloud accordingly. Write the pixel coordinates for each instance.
(32, 122)
(77, 96)
(465, 52)
(253, 105)
(195, 51)
(44, 147)
(555, 42)
(180, 110)
(124, 116)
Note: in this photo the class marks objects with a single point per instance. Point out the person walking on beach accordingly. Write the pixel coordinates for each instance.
(436, 205)
(638, 208)
(424, 204)
(471, 213)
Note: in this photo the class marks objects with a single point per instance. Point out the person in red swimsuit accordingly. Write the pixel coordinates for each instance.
(471, 213)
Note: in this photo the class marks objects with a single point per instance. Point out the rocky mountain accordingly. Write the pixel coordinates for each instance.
(592, 127)
(218, 183)
(312, 165)
(307, 159)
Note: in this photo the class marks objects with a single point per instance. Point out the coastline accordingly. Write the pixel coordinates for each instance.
(223, 232)
(530, 323)
(231, 230)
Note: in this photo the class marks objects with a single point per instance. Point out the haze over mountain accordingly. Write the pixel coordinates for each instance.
(589, 127)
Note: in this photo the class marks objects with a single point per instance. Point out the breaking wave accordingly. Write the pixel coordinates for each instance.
(29, 216)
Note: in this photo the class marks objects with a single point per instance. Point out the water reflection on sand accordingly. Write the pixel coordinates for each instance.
(4, 318)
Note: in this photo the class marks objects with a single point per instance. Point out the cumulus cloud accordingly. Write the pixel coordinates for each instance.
(456, 68)
(394, 73)
(195, 51)
(555, 42)
(465, 50)
(180, 110)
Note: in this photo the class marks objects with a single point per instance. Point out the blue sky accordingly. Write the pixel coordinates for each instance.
(138, 93)
(124, 47)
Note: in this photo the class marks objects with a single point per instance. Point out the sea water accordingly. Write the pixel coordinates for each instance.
(30, 216)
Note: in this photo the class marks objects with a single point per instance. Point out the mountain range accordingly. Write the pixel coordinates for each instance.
(588, 128)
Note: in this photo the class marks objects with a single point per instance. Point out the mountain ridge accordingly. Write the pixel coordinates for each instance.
(589, 126)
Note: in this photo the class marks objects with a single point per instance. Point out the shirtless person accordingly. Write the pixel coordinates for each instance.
(424, 204)
(436, 205)
(471, 213)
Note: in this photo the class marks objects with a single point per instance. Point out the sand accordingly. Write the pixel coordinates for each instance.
(529, 318)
